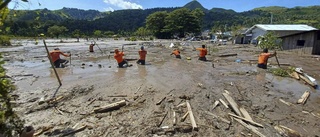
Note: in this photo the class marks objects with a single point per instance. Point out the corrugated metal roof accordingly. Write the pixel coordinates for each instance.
(285, 27)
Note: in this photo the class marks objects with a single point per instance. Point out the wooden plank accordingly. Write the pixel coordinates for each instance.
(159, 102)
(216, 103)
(163, 119)
(233, 104)
(117, 96)
(304, 97)
(245, 113)
(307, 80)
(223, 103)
(110, 107)
(227, 55)
(184, 117)
(249, 127)
(193, 121)
(247, 120)
(75, 131)
(295, 75)
(285, 102)
(287, 132)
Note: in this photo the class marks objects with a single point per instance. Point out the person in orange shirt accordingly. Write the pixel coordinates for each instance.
(176, 52)
(142, 54)
(55, 57)
(91, 47)
(119, 57)
(263, 58)
(203, 53)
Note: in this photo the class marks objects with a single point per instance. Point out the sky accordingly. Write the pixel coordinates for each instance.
(111, 5)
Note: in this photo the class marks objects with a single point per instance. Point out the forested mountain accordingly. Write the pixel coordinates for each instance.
(34, 22)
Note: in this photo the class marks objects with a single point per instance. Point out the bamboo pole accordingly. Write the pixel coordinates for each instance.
(49, 57)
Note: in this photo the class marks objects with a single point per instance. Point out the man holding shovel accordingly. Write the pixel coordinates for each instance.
(57, 61)
(119, 57)
(263, 58)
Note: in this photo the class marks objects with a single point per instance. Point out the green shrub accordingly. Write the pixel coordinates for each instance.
(279, 72)
(5, 40)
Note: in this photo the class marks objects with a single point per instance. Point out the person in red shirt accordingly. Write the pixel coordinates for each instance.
(55, 57)
(91, 47)
(142, 54)
(176, 52)
(263, 58)
(119, 57)
(203, 53)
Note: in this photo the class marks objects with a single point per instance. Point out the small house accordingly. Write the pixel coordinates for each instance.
(308, 42)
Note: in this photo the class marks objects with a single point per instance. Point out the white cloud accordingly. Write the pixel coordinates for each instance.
(123, 4)
(109, 9)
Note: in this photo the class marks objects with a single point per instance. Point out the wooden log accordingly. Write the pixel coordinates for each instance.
(249, 127)
(117, 96)
(223, 103)
(137, 90)
(216, 103)
(295, 75)
(159, 102)
(227, 55)
(110, 107)
(247, 120)
(174, 118)
(287, 132)
(193, 121)
(307, 80)
(233, 104)
(184, 116)
(75, 131)
(216, 116)
(304, 97)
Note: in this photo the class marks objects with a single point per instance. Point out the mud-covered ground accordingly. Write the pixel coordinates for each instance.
(92, 80)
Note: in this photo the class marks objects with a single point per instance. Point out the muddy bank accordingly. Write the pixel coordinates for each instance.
(155, 94)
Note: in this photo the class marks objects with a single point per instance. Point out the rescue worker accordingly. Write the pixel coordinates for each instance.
(142, 54)
(203, 53)
(119, 57)
(176, 52)
(91, 47)
(55, 57)
(263, 58)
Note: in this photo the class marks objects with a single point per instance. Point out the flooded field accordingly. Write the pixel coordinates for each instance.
(92, 80)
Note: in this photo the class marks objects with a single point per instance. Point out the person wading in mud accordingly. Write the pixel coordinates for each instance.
(203, 53)
(91, 47)
(263, 58)
(142, 54)
(119, 57)
(57, 61)
(176, 52)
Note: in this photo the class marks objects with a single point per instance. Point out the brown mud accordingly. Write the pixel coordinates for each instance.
(92, 80)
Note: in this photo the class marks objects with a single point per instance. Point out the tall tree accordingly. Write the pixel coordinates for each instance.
(155, 22)
(56, 30)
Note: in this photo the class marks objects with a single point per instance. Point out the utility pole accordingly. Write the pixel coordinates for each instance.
(271, 18)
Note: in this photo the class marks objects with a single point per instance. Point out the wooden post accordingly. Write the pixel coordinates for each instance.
(54, 69)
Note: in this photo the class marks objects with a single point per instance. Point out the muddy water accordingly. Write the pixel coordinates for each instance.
(163, 76)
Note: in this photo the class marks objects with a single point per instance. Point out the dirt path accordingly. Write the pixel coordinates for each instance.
(89, 87)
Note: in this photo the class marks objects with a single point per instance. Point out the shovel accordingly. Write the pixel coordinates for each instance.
(277, 59)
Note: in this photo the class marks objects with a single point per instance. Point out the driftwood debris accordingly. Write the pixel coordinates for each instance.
(223, 103)
(75, 130)
(174, 118)
(110, 107)
(193, 121)
(117, 96)
(216, 103)
(42, 130)
(295, 75)
(184, 117)
(287, 132)
(227, 55)
(304, 97)
(137, 90)
(165, 115)
(249, 127)
(285, 102)
(216, 116)
(233, 104)
(245, 113)
(159, 102)
(54, 100)
(307, 80)
(247, 120)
